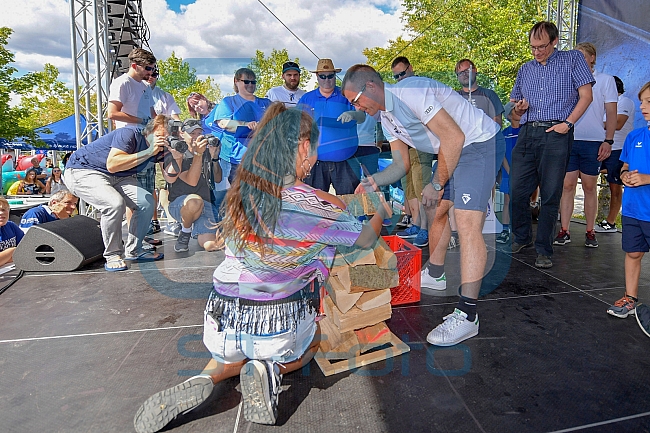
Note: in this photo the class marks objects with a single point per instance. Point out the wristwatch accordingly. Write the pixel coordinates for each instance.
(608, 141)
(569, 124)
(437, 186)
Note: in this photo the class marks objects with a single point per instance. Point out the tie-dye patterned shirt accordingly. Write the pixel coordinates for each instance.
(307, 232)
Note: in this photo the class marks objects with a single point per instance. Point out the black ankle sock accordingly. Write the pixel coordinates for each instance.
(631, 297)
(467, 306)
(435, 271)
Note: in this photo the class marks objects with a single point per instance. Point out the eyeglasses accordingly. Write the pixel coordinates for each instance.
(401, 74)
(539, 48)
(326, 77)
(249, 81)
(355, 101)
(56, 171)
(465, 72)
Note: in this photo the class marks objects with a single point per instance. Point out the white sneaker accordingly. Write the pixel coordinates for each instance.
(429, 282)
(453, 330)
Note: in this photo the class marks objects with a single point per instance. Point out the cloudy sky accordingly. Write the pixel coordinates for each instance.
(219, 30)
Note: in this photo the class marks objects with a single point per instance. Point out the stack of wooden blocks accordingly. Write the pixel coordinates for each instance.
(356, 307)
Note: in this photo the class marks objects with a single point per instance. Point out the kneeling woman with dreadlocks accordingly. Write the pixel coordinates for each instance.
(281, 235)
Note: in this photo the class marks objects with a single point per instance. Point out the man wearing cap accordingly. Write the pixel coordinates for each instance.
(338, 139)
(191, 176)
(130, 102)
(288, 93)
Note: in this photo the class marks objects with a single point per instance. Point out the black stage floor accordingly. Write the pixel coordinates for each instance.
(79, 352)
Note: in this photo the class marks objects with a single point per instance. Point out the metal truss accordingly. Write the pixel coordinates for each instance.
(564, 13)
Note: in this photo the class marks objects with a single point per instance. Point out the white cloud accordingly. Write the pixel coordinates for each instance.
(227, 29)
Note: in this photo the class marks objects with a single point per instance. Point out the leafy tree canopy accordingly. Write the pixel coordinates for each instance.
(49, 101)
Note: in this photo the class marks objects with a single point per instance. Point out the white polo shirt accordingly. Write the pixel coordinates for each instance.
(590, 126)
(288, 97)
(414, 101)
(135, 97)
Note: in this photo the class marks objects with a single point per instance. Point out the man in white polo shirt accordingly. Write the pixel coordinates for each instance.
(289, 93)
(431, 117)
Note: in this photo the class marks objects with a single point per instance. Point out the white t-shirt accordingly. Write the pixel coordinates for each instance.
(625, 106)
(414, 101)
(163, 102)
(288, 97)
(590, 126)
(135, 97)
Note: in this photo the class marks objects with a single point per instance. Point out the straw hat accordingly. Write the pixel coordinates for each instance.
(326, 65)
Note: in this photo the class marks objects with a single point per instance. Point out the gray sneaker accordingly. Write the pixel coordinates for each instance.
(623, 307)
(543, 262)
(161, 408)
(517, 247)
(183, 242)
(260, 386)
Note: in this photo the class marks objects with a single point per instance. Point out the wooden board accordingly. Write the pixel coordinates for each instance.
(372, 336)
(344, 345)
(329, 366)
(353, 256)
(362, 204)
(374, 299)
(355, 318)
(340, 295)
(371, 277)
(343, 274)
(384, 256)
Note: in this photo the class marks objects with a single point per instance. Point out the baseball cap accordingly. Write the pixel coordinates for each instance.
(290, 66)
(191, 125)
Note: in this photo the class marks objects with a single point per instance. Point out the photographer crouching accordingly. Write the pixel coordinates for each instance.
(103, 174)
(191, 169)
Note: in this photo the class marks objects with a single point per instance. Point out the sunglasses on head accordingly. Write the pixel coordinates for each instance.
(399, 75)
(249, 81)
(326, 77)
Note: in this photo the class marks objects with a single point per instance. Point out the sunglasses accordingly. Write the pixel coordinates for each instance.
(56, 171)
(326, 77)
(355, 101)
(155, 74)
(399, 75)
(148, 68)
(249, 81)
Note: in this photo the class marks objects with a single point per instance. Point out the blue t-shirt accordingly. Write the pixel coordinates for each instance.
(10, 235)
(338, 141)
(209, 123)
(36, 215)
(636, 152)
(510, 134)
(233, 145)
(93, 156)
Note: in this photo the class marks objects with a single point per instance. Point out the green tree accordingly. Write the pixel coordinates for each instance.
(179, 79)
(49, 101)
(10, 85)
(494, 34)
(268, 71)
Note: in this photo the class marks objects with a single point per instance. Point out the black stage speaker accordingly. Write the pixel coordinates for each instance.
(61, 246)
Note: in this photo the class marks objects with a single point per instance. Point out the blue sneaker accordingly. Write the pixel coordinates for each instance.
(387, 222)
(409, 233)
(422, 239)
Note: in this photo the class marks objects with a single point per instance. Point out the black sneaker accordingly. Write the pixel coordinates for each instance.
(590, 239)
(260, 386)
(543, 262)
(562, 238)
(517, 247)
(154, 228)
(404, 222)
(183, 242)
(504, 237)
(161, 408)
(605, 227)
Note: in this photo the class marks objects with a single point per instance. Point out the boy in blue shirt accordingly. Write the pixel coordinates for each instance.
(635, 175)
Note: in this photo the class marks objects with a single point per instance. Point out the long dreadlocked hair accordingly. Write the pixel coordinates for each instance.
(254, 201)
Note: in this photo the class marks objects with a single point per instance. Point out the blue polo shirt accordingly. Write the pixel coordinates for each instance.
(233, 145)
(338, 141)
(94, 155)
(636, 152)
(37, 215)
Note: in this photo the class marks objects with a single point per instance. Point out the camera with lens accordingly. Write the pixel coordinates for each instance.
(212, 140)
(177, 144)
(175, 127)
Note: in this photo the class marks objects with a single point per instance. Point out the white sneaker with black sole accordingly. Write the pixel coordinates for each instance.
(260, 386)
(429, 283)
(605, 227)
(454, 329)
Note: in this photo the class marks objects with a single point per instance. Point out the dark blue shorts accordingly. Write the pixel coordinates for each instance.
(636, 235)
(613, 166)
(504, 185)
(584, 157)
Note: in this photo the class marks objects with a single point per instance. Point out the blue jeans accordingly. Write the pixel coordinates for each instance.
(538, 158)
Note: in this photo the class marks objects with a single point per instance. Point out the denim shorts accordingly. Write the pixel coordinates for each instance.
(584, 157)
(636, 235)
(613, 165)
(236, 329)
(206, 222)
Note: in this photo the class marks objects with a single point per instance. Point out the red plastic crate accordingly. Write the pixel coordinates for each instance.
(409, 262)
